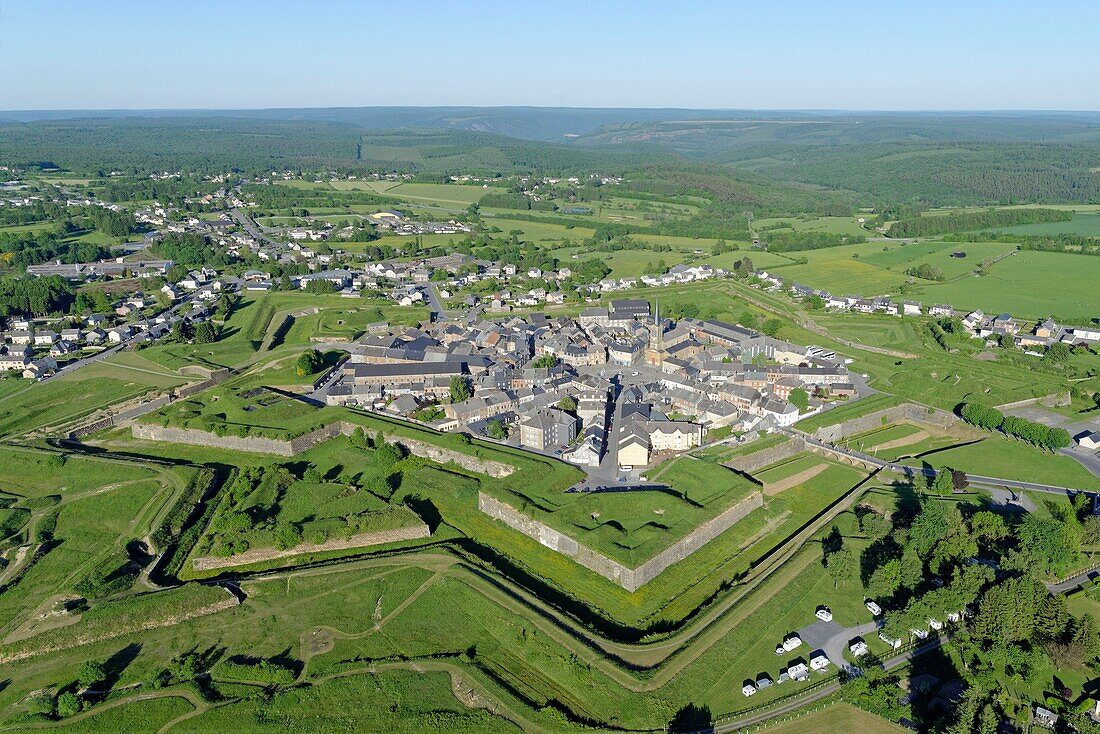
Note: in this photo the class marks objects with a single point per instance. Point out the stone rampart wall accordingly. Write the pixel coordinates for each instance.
(630, 579)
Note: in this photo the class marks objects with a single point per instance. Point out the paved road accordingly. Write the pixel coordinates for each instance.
(249, 226)
(438, 312)
(1063, 587)
(833, 639)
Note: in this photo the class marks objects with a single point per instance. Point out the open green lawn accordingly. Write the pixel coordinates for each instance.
(445, 195)
(75, 395)
(837, 718)
(1028, 284)
(1083, 223)
(997, 456)
(788, 468)
(831, 225)
(241, 410)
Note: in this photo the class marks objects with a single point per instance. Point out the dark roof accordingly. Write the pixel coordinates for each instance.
(411, 368)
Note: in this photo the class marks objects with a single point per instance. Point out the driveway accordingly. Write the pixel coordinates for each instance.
(833, 639)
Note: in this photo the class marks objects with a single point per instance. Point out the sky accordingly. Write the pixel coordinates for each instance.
(731, 54)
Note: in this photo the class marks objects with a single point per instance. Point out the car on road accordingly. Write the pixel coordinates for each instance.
(824, 614)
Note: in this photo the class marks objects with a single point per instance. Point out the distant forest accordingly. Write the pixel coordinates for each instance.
(742, 162)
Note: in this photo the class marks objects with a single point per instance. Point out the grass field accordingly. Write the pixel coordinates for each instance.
(1083, 223)
(1028, 284)
(831, 225)
(446, 195)
(997, 456)
(837, 718)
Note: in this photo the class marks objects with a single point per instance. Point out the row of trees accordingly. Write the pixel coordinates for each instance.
(1036, 434)
(938, 224)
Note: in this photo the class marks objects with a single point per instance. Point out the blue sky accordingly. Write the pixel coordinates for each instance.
(793, 54)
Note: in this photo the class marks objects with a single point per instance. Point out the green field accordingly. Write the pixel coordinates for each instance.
(1083, 223)
(997, 456)
(1028, 284)
(831, 225)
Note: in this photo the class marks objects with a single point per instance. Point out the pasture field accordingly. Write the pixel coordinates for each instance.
(68, 398)
(938, 254)
(837, 718)
(445, 195)
(835, 270)
(1083, 223)
(1029, 284)
(831, 225)
(875, 330)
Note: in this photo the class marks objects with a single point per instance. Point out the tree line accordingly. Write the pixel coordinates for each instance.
(1036, 434)
(928, 226)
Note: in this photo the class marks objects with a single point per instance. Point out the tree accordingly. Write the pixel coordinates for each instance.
(319, 286)
(568, 404)
(206, 333)
(771, 327)
(748, 319)
(987, 525)
(959, 482)
(68, 704)
(842, 565)
(309, 362)
(1047, 545)
(90, 673)
(800, 399)
(496, 429)
(460, 389)
(885, 580)
(387, 454)
(942, 484)
(546, 360)
(873, 525)
(1007, 610)
(1059, 352)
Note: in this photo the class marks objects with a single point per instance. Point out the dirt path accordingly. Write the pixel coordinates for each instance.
(773, 488)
